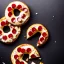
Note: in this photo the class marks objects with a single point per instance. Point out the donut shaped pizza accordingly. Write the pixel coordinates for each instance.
(10, 36)
(23, 15)
(33, 29)
(19, 51)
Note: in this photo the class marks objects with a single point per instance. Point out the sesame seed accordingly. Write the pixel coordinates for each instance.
(36, 13)
(55, 41)
(40, 58)
(53, 16)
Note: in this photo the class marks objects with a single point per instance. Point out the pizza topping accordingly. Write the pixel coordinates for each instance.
(13, 19)
(19, 6)
(25, 9)
(41, 39)
(17, 62)
(16, 56)
(21, 50)
(40, 28)
(30, 33)
(3, 23)
(10, 36)
(9, 9)
(44, 34)
(28, 50)
(23, 16)
(21, 62)
(14, 31)
(13, 5)
(33, 29)
(33, 56)
(0, 32)
(4, 37)
(6, 22)
(10, 14)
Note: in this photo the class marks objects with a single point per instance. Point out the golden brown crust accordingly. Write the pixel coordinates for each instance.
(22, 46)
(21, 20)
(16, 36)
(36, 25)
(3, 18)
(38, 31)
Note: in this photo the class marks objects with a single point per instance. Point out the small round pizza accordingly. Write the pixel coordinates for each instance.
(11, 35)
(35, 28)
(23, 13)
(19, 51)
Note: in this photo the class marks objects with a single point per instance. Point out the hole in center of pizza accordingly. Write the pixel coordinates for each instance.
(6, 29)
(16, 12)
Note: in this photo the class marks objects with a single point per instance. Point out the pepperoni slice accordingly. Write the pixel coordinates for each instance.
(3, 23)
(19, 6)
(13, 5)
(42, 39)
(4, 37)
(40, 28)
(6, 22)
(10, 36)
(33, 56)
(25, 9)
(10, 14)
(16, 56)
(9, 9)
(0, 32)
(28, 50)
(17, 62)
(21, 62)
(23, 16)
(13, 19)
(21, 50)
(14, 31)
(44, 34)
(33, 29)
(30, 33)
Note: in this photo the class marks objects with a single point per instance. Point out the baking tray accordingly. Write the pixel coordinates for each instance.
(51, 15)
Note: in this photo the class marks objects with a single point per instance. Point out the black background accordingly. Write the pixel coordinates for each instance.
(51, 15)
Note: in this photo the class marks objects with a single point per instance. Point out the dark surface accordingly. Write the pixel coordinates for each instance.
(51, 15)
